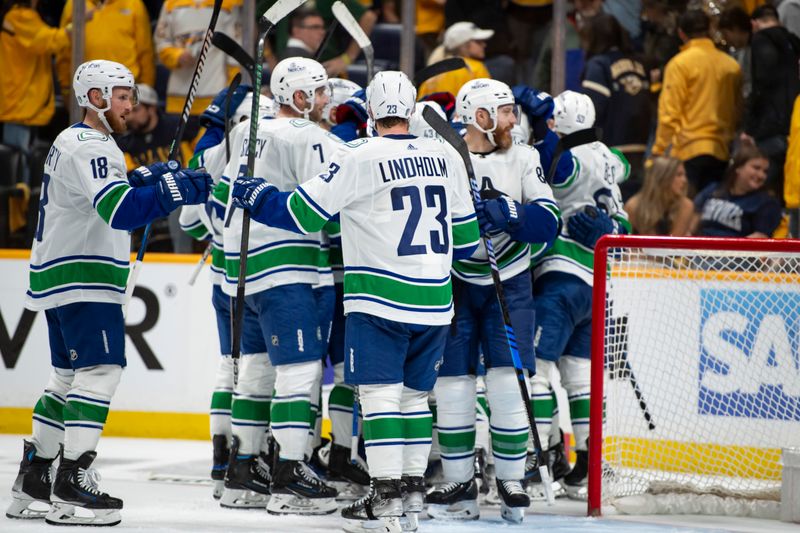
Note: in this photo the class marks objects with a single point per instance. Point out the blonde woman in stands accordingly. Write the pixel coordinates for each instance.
(662, 206)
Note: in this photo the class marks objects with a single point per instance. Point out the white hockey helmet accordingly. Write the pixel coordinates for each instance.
(391, 94)
(418, 126)
(482, 93)
(572, 112)
(341, 90)
(297, 74)
(266, 108)
(103, 75)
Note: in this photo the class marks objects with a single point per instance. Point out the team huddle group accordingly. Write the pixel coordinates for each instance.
(365, 248)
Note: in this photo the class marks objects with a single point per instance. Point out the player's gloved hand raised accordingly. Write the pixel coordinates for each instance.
(185, 187)
(250, 193)
(535, 104)
(148, 175)
(499, 214)
(589, 225)
(354, 109)
(445, 100)
(214, 115)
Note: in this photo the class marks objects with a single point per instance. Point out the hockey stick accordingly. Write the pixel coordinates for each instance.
(234, 49)
(348, 22)
(237, 79)
(619, 366)
(174, 148)
(274, 14)
(328, 35)
(568, 142)
(440, 67)
(450, 135)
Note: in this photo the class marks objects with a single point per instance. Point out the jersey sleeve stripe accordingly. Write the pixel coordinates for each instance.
(462, 220)
(466, 234)
(107, 207)
(310, 201)
(571, 179)
(99, 196)
(305, 215)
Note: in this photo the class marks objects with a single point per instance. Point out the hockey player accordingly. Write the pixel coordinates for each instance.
(78, 273)
(519, 211)
(247, 483)
(282, 270)
(591, 204)
(341, 91)
(405, 215)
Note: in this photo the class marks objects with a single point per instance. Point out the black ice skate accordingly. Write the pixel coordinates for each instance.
(296, 489)
(575, 481)
(351, 480)
(454, 501)
(33, 484)
(377, 512)
(247, 481)
(220, 464)
(513, 500)
(413, 491)
(75, 488)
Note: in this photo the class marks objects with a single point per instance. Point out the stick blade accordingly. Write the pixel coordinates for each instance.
(349, 23)
(225, 43)
(280, 9)
(440, 67)
(547, 483)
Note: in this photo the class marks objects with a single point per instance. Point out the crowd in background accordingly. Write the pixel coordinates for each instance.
(699, 97)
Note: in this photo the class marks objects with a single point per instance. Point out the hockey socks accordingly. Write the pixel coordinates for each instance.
(456, 401)
(575, 378)
(508, 423)
(221, 398)
(543, 401)
(48, 414)
(86, 408)
(291, 407)
(340, 408)
(250, 408)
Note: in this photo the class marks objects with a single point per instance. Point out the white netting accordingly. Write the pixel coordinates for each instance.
(702, 387)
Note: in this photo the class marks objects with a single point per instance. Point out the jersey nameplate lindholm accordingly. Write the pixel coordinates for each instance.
(412, 167)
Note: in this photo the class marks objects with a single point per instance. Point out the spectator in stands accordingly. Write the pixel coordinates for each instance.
(740, 206)
(660, 37)
(430, 24)
(117, 30)
(306, 33)
(662, 207)
(618, 84)
(27, 46)
(775, 84)
(466, 40)
(791, 172)
(699, 104)
(735, 26)
(489, 14)
(179, 36)
(789, 14)
(529, 22)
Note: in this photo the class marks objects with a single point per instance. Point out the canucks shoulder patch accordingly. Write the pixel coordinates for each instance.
(300, 122)
(92, 136)
(356, 143)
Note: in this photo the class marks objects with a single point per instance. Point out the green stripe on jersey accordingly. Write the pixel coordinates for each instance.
(221, 191)
(218, 258)
(197, 232)
(471, 267)
(626, 165)
(296, 255)
(571, 179)
(572, 250)
(78, 272)
(108, 204)
(466, 234)
(398, 291)
(309, 219)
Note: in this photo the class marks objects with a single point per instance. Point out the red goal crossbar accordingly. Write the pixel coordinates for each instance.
(598, 323)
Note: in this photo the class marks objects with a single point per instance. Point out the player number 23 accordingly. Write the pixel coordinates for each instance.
(435, 197)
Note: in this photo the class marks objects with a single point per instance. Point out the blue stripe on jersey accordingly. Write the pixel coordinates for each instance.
(299, 190)
(398, 276)
(273, 245)
(461, 220)
(76, 288)
(400, 307)
(64, 259)
(104, 190)
(271, 272)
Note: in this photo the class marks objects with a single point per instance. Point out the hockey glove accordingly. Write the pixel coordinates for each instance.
(148, 175)
(185, 187)
(590, 224)
(537, 105)
(214, 115)
(354, 109)
(251, 193)
(499, 214)
(445, 100)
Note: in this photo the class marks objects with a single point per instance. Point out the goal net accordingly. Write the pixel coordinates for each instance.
(695, 374)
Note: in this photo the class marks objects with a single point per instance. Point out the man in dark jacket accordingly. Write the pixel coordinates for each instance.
(775, 84)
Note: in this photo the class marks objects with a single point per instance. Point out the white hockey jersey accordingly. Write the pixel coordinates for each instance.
(76, 255)
(516, 173)
(404, 206)
(288, 151)
(598, 171)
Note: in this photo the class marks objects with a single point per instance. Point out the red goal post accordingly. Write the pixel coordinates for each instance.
(697, 277)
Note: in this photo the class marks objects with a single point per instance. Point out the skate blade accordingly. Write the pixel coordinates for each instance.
(515, 515)
(293, 504)
(243, 499)
(414, 502)
(218, 489)
(63, 514)
(409, 522)
(389, 524)
(22, 508)
(348, 491)
(467, 510)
